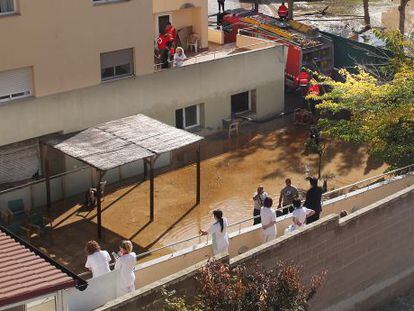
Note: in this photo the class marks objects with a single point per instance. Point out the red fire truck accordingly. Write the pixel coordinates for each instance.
(306, 45)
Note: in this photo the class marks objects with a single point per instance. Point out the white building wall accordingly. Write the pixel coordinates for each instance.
(156, 95)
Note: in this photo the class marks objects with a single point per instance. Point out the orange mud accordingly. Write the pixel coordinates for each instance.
(230, 172)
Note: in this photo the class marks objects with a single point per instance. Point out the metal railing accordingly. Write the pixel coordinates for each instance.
(216, 54)
(42, 179)
(328, 195)
(345, 190)
(28, 189)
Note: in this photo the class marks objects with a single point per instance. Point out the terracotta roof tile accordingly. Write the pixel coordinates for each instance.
(24, 275)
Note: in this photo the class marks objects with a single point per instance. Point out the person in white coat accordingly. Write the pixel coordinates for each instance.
(268, 216)
(98, 260)
(300, 214)
(218, 231)
(126, 264)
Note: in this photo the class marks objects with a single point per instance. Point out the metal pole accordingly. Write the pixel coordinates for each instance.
(151, 165)
(198, 174)
(98, 204)
(47, 176)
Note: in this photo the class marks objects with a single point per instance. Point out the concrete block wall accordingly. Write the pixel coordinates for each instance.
(369, 256)
(244, 239)
(366, 253)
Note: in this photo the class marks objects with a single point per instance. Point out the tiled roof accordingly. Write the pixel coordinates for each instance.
(25, 275)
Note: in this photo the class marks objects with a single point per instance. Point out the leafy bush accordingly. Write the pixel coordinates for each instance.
(239, 288)
(378, 112)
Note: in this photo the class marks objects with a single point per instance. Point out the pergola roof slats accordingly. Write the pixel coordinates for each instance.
(115, 158)
(118, 142)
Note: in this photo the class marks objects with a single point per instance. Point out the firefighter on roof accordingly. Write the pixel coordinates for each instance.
(171, 33)
(283, 11)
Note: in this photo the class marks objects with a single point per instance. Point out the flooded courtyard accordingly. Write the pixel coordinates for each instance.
(341, 17)
(265, 154)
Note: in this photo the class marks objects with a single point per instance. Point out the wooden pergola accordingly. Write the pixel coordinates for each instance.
(115, 143)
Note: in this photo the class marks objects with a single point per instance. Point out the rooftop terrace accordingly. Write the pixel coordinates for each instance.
(217, 49)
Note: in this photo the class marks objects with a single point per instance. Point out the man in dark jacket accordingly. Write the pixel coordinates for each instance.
(314, 200)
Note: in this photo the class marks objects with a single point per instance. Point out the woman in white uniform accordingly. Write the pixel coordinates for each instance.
(126, 264)
(98, 260)
(300, 214)
(268, 216)
(218, 231)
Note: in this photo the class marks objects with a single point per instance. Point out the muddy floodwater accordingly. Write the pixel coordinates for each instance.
(342, 16)
(265, 154)
(231, 170)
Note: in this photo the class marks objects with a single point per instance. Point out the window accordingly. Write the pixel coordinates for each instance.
(163, 20)
(107, 1)
(15, 84)
(117, 64)
(45, 304)
(7, 7)
(240, 102)
(187, 117)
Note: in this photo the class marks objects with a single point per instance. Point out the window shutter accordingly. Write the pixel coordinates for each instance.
(16, 81)
(179, 120)
(116, 58)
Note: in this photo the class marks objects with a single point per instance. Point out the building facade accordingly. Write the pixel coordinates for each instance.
(68, 65)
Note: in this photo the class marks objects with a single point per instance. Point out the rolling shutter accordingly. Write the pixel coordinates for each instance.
(16, 83)
(116, 58)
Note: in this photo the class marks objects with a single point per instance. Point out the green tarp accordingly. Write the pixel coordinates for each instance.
(349, 53)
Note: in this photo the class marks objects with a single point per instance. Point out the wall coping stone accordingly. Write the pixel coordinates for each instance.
(157, 285)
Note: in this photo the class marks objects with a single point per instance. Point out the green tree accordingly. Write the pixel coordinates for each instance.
(364, 109)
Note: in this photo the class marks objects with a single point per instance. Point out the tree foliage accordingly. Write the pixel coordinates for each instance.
(259, 289)
(363, 109)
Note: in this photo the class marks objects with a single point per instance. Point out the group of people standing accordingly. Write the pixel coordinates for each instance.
(288, 195)
(98, 260)
(98, 263)
(168, 49)
(264, 214)
(289, 202)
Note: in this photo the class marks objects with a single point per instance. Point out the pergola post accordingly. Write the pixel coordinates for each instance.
(151, 165)
(99, 202)
(198, 168)
(145, 169)
(46, 168)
